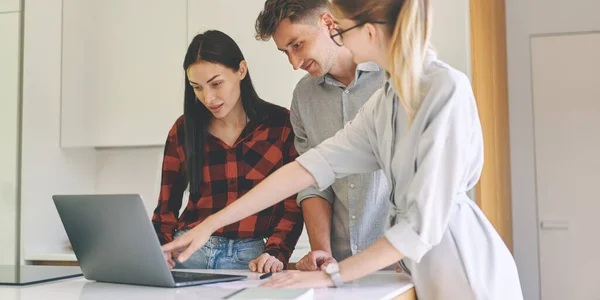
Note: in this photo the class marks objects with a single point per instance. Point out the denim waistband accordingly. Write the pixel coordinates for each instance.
(223, 242)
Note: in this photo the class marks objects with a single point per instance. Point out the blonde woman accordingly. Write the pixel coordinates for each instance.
(443, 238)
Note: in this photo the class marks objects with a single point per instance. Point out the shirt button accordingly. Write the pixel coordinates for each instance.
(346, 91)
(230, 151)
(352, 185)
(353, 217)
(355, 247)
(232, 181)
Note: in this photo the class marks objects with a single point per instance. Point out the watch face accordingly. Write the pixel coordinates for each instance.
(332, 268)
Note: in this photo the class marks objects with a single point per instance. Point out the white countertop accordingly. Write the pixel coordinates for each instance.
(63, 256)
(29, 274)
(381, 285)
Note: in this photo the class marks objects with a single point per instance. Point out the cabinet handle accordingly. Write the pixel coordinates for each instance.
(555, 224)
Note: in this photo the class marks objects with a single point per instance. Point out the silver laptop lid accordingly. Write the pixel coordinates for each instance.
(113, 239)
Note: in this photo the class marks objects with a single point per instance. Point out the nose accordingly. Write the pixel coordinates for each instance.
(207, 96)
(210, 96)
(295, 61)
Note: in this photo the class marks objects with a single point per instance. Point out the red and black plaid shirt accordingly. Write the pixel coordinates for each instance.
(230, 172)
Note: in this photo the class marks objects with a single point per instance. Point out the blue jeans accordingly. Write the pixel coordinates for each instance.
(223, 253)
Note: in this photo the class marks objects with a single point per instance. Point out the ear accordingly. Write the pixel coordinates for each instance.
(372, 31)
(328, 21)
(243, 70)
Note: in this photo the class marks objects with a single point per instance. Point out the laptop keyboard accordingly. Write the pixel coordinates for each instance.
(189, 276)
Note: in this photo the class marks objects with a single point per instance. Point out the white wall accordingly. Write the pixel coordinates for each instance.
(46, 168)
(451, 33)
(130, 170)
(9, 131)
(525, 18)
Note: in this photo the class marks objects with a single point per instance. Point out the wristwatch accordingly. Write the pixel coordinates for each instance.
(333, 270)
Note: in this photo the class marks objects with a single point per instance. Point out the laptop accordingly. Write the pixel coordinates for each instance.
(114, 241)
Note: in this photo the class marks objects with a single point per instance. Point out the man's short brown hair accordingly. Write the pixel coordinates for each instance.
(276, 11)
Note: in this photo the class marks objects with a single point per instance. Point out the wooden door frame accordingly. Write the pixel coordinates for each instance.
(490, 85)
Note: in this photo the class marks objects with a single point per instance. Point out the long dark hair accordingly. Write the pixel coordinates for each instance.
(215, 47)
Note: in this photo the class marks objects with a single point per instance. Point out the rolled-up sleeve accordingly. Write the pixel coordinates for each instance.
(312, 192)
(349, 151)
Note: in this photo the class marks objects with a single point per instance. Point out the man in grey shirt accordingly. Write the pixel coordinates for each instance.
(351, 214)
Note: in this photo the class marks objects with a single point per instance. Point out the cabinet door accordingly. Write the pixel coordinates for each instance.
(122, 80)
(10, 5)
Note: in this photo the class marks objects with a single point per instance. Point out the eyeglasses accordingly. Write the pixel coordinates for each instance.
(336, 33)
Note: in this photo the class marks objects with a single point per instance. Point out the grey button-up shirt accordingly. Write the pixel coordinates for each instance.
(360, 203)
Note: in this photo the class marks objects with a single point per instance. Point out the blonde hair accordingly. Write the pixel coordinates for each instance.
(410, 24)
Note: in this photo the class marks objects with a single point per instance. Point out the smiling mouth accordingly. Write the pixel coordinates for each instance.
(306, 67)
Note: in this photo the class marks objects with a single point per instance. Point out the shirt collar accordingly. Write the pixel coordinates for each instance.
(368, 67)
(362, 67)
(388, 86)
